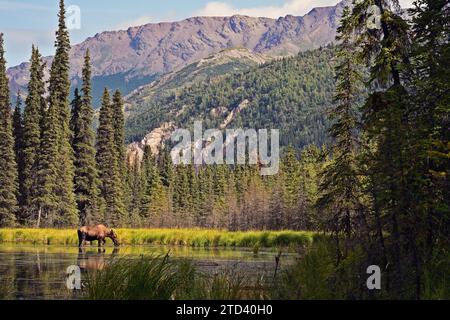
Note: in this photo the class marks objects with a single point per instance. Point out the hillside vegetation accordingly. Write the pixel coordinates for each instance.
(225, 62)
(290, 94)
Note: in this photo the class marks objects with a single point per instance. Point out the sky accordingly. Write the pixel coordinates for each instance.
(27, 22)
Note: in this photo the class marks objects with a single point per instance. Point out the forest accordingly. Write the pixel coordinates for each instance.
(293, 94)
(375, 180)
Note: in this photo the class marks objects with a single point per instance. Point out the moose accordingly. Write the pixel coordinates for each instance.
(97, 233)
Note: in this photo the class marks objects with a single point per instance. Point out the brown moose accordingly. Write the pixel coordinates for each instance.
(96, 233)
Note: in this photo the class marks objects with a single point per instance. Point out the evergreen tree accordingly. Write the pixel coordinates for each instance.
(290, 170)
(119, 140)
(135, 185)
(194, 193)
(119, 132)
(18, 150)
(43, 201)
(148, 175)
(206, 190)
(33, 115)
(181, 196)
(8, 167)
(107, 163)
(155, 204)
(167, 171)
(86, 176)
(65, 213)
(75, 112)
(341, 191)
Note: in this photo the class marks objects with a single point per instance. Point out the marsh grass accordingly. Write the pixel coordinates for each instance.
(162, 278)
(170, 237)
(147, 278)
(6, 289)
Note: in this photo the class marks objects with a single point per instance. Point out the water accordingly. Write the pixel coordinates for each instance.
(39, 272)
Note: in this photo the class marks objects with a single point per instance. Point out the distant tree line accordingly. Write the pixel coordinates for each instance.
(225, 197)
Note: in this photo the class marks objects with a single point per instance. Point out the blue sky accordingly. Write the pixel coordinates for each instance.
(26, 22)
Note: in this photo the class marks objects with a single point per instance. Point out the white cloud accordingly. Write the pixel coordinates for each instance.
(135, 22)
(293, 7)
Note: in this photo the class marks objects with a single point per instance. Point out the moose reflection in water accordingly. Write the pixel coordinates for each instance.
(91, 261)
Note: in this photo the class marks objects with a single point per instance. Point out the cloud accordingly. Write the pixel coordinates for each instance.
(293, 7)
(135, 22)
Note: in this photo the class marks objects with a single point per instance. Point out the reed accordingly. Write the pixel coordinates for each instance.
(168, 237)
(162, 278)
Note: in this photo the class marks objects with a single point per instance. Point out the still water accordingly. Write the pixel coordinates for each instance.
(39, 272)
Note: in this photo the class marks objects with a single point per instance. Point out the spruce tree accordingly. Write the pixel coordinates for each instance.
(291, 172)
(18, 150)
(341, 191)
(75, 107)
(65, 213)
(148, 174)
(107, 164)
(119, 132)
(8, 167)
(119, 141)
(154, 205)
(86, 176)
(135, 185)
(167, 171)
(35, 108)
(181, 196)
(43, 200)
(206, 189)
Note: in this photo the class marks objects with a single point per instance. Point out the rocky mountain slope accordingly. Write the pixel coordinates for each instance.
(211, 68)
(131, 58)
(290, 94)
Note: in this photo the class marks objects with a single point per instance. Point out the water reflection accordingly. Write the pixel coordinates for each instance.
(89, 260)
(39, 272)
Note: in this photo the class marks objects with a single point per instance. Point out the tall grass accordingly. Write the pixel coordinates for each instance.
(315, 276)
(6, 290)
(160, 278)
(172, 237)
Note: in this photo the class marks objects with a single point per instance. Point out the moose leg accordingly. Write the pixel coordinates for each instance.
(100, 242)
(81, 239)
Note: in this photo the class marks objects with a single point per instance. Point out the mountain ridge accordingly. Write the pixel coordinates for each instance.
(127, 59)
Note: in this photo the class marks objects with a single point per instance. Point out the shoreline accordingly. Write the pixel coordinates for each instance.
(201, 238)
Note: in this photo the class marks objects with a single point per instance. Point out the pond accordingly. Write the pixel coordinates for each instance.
(39, 272)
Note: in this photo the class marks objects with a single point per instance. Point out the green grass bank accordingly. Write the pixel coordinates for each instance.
(169, 237)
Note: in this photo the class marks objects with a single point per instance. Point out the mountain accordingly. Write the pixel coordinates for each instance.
(291, 94)
(128, 59)
(225, 62)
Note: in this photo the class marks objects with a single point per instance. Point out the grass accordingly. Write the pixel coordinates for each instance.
(161, 278)
(169, 237)
(6, 290)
